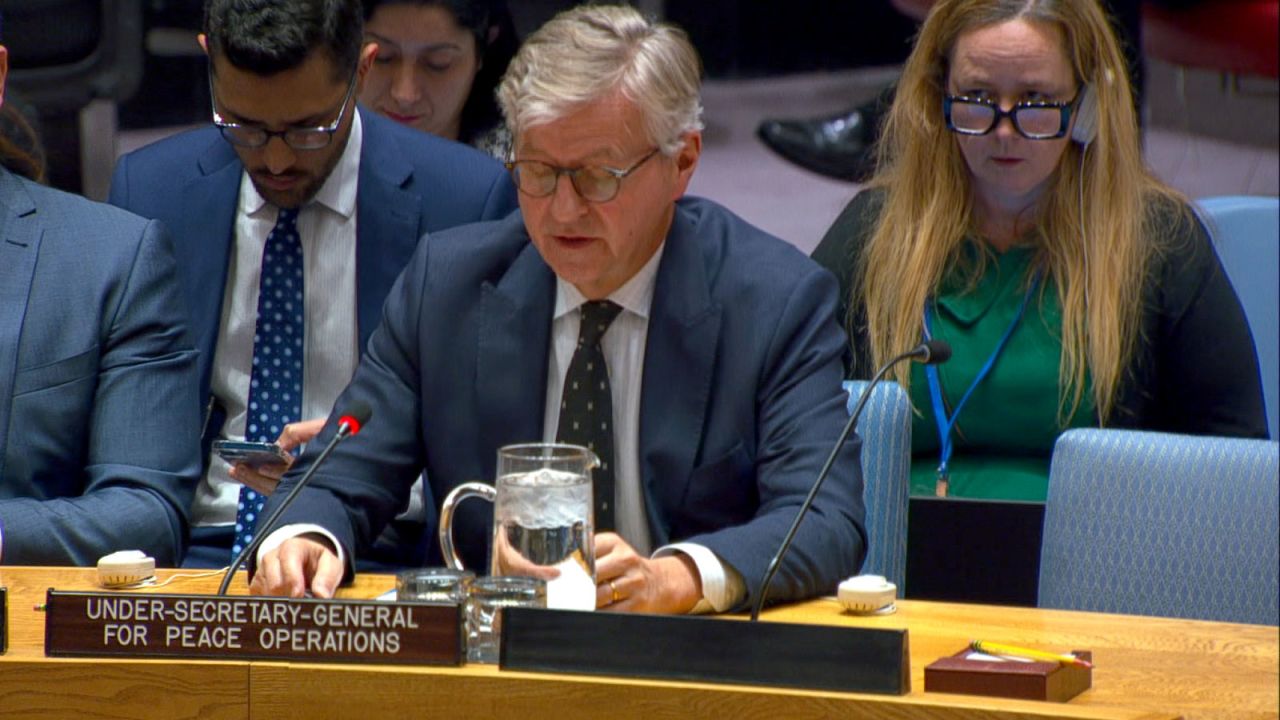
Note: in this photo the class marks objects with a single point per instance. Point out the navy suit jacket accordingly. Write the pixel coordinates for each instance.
(99, 419)
(741, 401)
(410, 183)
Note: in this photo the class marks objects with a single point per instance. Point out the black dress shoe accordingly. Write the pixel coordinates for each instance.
(841, 146)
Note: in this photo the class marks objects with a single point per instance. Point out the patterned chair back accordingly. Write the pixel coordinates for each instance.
(1145, 523)
(885, 429)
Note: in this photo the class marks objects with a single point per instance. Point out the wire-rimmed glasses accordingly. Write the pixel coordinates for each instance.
(595, 183)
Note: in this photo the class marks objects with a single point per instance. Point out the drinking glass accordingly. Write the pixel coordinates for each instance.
(488, 597)
(435, 584)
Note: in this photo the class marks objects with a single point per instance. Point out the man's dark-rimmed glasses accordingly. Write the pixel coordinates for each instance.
(298, 138)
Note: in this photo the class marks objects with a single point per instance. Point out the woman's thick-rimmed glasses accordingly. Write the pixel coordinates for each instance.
(1034, 120)
(595, 183)
(298, 138)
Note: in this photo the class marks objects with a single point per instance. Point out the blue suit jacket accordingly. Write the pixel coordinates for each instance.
(740, 406)
(410, 183)
(99, 420)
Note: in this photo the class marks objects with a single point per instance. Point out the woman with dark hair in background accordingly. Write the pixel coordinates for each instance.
(437, 66)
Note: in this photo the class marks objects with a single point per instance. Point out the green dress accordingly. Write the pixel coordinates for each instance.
(1006, 430)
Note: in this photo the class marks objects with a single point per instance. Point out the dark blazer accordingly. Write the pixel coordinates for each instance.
(740, 406)
(410, 183)
(1195, 370)
(99, 420)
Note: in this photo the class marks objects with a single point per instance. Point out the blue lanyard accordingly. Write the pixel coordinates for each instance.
(946, 424)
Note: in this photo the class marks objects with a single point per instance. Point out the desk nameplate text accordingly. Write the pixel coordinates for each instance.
(213, 627)
(4, 620)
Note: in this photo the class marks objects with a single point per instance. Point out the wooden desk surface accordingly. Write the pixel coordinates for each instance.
(1145, 668)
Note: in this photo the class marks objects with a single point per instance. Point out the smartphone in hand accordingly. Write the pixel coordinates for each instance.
(253, 454)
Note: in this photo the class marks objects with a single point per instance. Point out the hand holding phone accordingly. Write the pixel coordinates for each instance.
(252, 454)
(260, 465)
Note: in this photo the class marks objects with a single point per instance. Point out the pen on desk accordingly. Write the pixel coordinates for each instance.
(1001, 649)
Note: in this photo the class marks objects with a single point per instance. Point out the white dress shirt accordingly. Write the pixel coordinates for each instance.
(327, 228)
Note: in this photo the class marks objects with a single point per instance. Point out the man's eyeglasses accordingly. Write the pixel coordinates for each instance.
(1034, 120)
(595, 183)
(298, 138)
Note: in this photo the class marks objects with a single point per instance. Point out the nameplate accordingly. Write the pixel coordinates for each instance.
(707, 649)
(213, 627)
(4, 620)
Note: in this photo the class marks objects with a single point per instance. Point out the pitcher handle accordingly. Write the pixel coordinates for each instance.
(455, 496)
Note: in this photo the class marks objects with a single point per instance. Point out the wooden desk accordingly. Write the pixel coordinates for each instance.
(1145, 668)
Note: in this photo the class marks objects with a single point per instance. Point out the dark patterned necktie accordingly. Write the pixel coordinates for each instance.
(586, 407)
(275, 384)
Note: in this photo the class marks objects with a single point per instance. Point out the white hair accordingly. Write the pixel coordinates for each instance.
(586, 53)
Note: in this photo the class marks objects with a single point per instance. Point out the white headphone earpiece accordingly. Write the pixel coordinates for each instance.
(1085, 128)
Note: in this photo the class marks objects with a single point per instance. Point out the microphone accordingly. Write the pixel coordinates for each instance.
(349, 424)
(930, 352)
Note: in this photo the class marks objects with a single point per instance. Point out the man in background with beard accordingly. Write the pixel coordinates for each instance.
(291, 218)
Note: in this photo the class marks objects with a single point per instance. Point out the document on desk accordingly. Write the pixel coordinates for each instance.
(974, 655)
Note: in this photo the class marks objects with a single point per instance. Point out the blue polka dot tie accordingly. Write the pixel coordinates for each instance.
(586, 405)
(275, 384)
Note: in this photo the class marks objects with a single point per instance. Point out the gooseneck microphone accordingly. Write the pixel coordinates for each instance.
(930, 352)
(349, 424)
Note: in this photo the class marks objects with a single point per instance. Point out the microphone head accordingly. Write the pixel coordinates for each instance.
(934, 352)
(357, 415)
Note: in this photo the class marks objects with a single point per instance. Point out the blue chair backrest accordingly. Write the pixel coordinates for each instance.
(1147, 523)
(1246, 235)
(885, 429)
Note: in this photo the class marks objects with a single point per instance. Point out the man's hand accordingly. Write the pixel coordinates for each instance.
(307, 562)
(628, 582)
(265, 478)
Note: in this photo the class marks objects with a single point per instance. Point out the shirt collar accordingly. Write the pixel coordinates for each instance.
(635, 295)
(338, 193)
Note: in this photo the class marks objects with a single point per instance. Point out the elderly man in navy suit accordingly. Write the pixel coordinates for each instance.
(698, 355)
(99, 419)
(293, 216)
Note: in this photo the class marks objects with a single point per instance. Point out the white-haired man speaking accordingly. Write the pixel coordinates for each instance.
(720, 396)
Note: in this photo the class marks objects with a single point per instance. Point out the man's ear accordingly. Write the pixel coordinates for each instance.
(368, 52)
(687, 161)
(204, 42)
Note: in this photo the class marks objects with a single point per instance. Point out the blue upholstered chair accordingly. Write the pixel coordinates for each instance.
(1146, 523)
(1246, 234)
(885, 429)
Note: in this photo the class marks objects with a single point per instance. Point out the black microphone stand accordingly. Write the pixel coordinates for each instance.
(348, 427)
(933, 351)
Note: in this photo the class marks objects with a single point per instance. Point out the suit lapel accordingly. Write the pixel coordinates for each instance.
(388, 223)
(204, 245)
(19, 247)
(680, 354)
(511, 354)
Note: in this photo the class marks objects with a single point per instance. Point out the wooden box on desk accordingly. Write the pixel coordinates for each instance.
(1023, 680)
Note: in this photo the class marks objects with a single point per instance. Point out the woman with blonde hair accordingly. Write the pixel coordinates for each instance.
(1012, 215)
